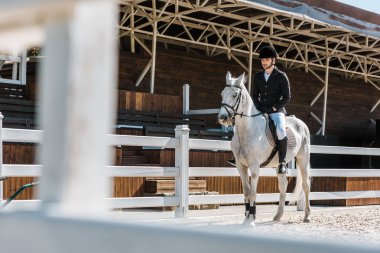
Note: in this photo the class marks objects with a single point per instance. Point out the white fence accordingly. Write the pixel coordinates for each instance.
(181, 171)
(18, 68)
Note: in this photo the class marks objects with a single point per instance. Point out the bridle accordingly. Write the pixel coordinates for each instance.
(232, 114)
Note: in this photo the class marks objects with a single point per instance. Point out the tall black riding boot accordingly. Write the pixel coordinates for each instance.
(282, 148)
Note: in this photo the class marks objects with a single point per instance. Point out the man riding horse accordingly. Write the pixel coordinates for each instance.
(270, 94)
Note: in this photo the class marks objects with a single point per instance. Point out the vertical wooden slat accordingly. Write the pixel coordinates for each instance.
(139, 101)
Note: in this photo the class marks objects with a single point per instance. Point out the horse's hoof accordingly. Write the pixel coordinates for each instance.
(307, 220)
(249, 222)
(277, 217)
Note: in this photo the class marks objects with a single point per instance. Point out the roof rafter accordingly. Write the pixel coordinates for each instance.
(231, 26)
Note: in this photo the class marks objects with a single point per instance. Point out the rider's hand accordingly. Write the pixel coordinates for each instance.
(274, 108)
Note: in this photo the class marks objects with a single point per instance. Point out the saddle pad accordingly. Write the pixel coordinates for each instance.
(289, 133)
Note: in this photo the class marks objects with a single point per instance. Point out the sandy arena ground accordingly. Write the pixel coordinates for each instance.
(359, 226)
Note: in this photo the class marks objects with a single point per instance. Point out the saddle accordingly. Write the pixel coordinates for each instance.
(270, 133)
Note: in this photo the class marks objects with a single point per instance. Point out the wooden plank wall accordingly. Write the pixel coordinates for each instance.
(22, 153)
(223, 185)
(126, 186)
(328, 184)
(134, 186)
(149, 102)
(363, 184)
(19, 153)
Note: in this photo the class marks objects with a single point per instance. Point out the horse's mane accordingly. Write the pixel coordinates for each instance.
(247, 95)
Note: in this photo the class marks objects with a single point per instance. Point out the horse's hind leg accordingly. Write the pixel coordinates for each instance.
(303, 162)
(282, 186)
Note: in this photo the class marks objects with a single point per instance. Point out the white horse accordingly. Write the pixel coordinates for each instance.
(251, 147)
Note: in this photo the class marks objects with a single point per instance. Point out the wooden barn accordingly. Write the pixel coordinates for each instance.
(329, 50)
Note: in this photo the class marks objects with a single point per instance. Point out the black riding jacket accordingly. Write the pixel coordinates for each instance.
(274, 93)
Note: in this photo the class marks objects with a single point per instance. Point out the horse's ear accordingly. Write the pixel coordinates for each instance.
(240, 80)
(228, 77)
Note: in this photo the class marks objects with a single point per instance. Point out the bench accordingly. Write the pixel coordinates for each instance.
(19, 123)
(139, 119)
(170, 120)
(18, 113)
(215, 135)
(194, 133)
(12, 90)
(134, 119)
(166, 131)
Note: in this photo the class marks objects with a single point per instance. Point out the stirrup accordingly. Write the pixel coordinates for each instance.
(282, 168)
(232, 162)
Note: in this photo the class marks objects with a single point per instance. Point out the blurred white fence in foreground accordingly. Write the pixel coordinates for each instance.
(77, 92)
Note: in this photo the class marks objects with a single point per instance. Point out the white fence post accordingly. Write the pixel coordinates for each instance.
(182, 162)
(14, 70)
(22, 68)
(1, 158)
(186, 99)
(77, 95)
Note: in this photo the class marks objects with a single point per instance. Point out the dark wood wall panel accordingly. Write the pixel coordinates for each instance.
(223, 185)
(149, 102)
(363, 184)
(328, 184)
(19, 153)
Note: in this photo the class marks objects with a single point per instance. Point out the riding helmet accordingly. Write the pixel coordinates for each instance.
(268, 52)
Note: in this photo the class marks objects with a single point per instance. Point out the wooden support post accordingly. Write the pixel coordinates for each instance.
(186, 99)
(154, 49)
(325, 96)
(250, 67)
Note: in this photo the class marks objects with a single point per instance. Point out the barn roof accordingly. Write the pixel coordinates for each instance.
(299, 31)
(331, 12)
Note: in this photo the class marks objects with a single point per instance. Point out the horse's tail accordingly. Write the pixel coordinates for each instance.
(297, 190)
(303, 169)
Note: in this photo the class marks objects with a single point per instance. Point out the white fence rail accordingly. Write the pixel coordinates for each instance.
(181, 171)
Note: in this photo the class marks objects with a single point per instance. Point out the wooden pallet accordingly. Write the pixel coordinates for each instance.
(168, 185)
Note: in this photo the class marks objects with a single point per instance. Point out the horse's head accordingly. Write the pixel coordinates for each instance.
(231, 98)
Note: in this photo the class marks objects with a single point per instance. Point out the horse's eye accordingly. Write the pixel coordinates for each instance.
(235, 94)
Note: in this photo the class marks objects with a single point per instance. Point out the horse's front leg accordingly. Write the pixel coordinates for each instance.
(282, 186)
(255, 173)
(243, 172)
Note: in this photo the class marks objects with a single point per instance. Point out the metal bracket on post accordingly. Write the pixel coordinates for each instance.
(186, 99)
(182, 162)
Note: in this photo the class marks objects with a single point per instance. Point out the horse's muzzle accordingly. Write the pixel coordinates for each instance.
(224, 120)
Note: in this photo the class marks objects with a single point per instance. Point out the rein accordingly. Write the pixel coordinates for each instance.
(235, 107)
